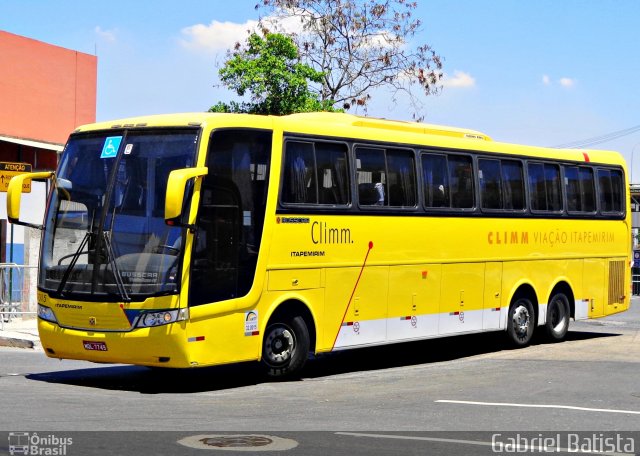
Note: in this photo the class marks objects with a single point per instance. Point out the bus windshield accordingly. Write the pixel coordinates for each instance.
(105, 234)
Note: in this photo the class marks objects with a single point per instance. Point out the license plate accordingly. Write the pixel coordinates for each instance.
(99, 346)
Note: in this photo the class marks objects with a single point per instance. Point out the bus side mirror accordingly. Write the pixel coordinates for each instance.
(174, 199)
(14, 194)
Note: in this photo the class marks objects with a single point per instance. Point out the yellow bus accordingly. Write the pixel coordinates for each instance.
(200, 239)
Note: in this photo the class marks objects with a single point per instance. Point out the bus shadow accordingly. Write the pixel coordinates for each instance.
(166, 381)
(425, 352)
(157, 380)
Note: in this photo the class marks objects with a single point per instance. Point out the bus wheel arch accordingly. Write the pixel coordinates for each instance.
(522, 317)
(560, 309)
(289, 335)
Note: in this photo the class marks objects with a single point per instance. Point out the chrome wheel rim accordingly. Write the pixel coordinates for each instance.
(521, 321)
(279, 345)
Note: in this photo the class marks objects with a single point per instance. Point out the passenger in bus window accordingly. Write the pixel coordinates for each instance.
(380, 189)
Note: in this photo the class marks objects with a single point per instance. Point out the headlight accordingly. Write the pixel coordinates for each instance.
(162, 317)
(46, 314)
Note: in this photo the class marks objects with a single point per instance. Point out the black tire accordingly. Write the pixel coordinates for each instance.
(285, 347)
(521, 322)
(558, 316)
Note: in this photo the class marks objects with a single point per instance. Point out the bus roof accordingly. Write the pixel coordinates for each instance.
(328, 118)
(343, 125)
(385, 124)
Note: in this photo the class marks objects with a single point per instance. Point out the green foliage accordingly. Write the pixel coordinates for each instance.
(360, 46)
(269, 70)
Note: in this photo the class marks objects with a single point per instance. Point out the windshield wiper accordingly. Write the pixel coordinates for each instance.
(74, 260)
(114, 267)
(63, 186)
(111, 185)
(122, 292)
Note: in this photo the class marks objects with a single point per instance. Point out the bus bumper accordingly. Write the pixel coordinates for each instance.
(158, 346)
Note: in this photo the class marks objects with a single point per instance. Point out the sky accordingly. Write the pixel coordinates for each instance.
(539, 72)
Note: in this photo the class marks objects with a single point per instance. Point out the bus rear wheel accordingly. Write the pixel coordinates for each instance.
(558, 315)
(285, 347)
(521, 322)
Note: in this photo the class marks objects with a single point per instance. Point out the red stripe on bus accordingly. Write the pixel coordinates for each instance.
(364, 263)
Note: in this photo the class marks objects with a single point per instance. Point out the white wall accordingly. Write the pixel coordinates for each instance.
(31, 209)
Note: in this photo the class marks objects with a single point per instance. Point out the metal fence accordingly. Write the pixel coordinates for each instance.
(635, 282)
(17, 291)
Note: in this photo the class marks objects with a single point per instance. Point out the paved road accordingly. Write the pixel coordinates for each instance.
(472, 383)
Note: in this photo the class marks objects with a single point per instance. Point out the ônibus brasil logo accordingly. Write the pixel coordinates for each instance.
(30, 443)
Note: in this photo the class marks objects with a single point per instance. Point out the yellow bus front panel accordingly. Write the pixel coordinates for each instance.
(162, 346)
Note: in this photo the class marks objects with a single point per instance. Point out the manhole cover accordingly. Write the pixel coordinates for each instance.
(239, 442)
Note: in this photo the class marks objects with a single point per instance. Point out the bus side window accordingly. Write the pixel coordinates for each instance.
(315, 173)
(572, 189)
(513, 184)
(587, 189)
(402, 178)
(554, 192)
(537, 190)
(544, 187)
(461, 179)
(371, 170)
(617, 184)
(299, 180)
(580, 189)
(610, 188)
(333, 171)
(490, 184)
(436, 180)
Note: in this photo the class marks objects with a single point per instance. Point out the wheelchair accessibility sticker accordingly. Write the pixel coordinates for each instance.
(111, 146)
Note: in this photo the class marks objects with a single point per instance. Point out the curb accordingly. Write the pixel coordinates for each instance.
(16, 343)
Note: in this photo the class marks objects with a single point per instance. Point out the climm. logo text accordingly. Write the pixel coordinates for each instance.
(321, 233)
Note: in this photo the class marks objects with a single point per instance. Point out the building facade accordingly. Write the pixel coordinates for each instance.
(46, 91)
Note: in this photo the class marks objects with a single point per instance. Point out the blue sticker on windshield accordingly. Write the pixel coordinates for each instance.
(111, 146)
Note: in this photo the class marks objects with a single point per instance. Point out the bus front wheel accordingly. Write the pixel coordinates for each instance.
(521, 322)
(558, 314)
(285, 347)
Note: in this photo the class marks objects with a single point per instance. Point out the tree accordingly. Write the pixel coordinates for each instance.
(359, 46)
(268, 68)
